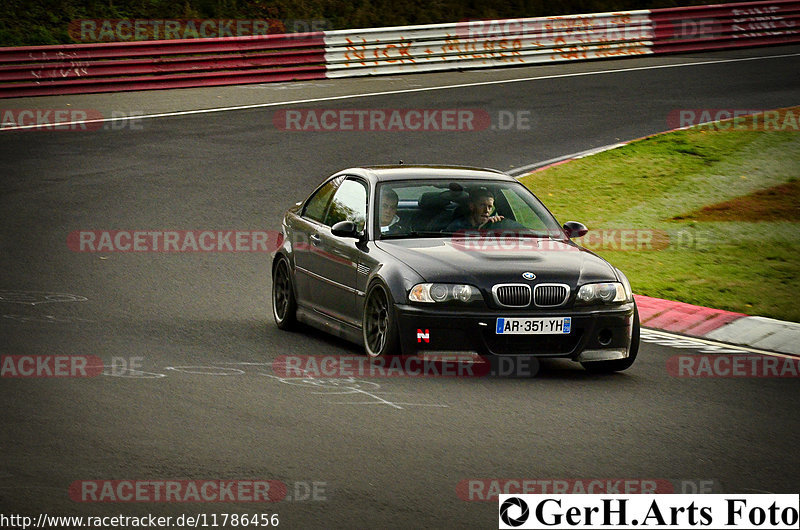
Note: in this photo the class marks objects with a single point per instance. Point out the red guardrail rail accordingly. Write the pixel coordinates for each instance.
(144, 65)
(724, 26)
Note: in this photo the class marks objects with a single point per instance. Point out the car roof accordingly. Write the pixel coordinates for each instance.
(419, 171)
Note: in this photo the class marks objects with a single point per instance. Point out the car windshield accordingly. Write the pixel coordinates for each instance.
(433, 208)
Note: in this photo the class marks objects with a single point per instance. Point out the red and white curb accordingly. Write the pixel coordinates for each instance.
(680, 317)
(760, 332)
(723, 326)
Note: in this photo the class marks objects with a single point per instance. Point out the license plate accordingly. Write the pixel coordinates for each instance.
(533, 326)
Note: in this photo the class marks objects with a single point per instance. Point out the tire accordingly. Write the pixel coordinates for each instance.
(379, 324)
(284, 303)
(618, 365)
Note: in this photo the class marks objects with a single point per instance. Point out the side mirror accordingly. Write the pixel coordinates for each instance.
(345, 229)
(575, 229)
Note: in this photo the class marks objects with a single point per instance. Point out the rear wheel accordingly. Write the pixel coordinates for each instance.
(284, 304)
(618, 365)
(379, 324)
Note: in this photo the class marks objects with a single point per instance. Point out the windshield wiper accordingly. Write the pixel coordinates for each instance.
(494, 232)
(414, 233)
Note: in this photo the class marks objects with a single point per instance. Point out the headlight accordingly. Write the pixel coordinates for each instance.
(444, 292)
(602, 293)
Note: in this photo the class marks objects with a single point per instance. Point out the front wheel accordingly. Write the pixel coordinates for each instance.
(284, 304)
(618, 365)
(379, 323)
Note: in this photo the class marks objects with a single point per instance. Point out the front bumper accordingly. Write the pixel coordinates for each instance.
(597, 333)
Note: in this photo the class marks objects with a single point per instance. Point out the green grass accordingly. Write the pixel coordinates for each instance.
(749, 267)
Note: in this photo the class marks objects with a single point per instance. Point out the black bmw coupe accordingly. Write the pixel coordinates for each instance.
(439, 259)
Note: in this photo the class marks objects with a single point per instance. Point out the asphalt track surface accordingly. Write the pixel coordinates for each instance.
(384, 452)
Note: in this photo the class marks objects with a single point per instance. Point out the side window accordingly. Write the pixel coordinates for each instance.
(349, 204)
(318, 204)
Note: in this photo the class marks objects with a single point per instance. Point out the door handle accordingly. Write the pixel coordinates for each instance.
(315, 240)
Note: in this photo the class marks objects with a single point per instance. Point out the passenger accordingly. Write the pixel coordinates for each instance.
(481, 205)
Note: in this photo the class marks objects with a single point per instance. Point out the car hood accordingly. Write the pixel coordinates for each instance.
(454, 261)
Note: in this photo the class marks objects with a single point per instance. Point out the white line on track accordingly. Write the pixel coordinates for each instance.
(580, 154)
(401, 91)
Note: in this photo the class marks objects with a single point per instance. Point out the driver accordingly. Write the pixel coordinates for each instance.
(390, 221)
(481, 206)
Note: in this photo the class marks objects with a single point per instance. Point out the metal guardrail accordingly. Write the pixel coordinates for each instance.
(724, 26)
(143, 65)
(480, 44)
